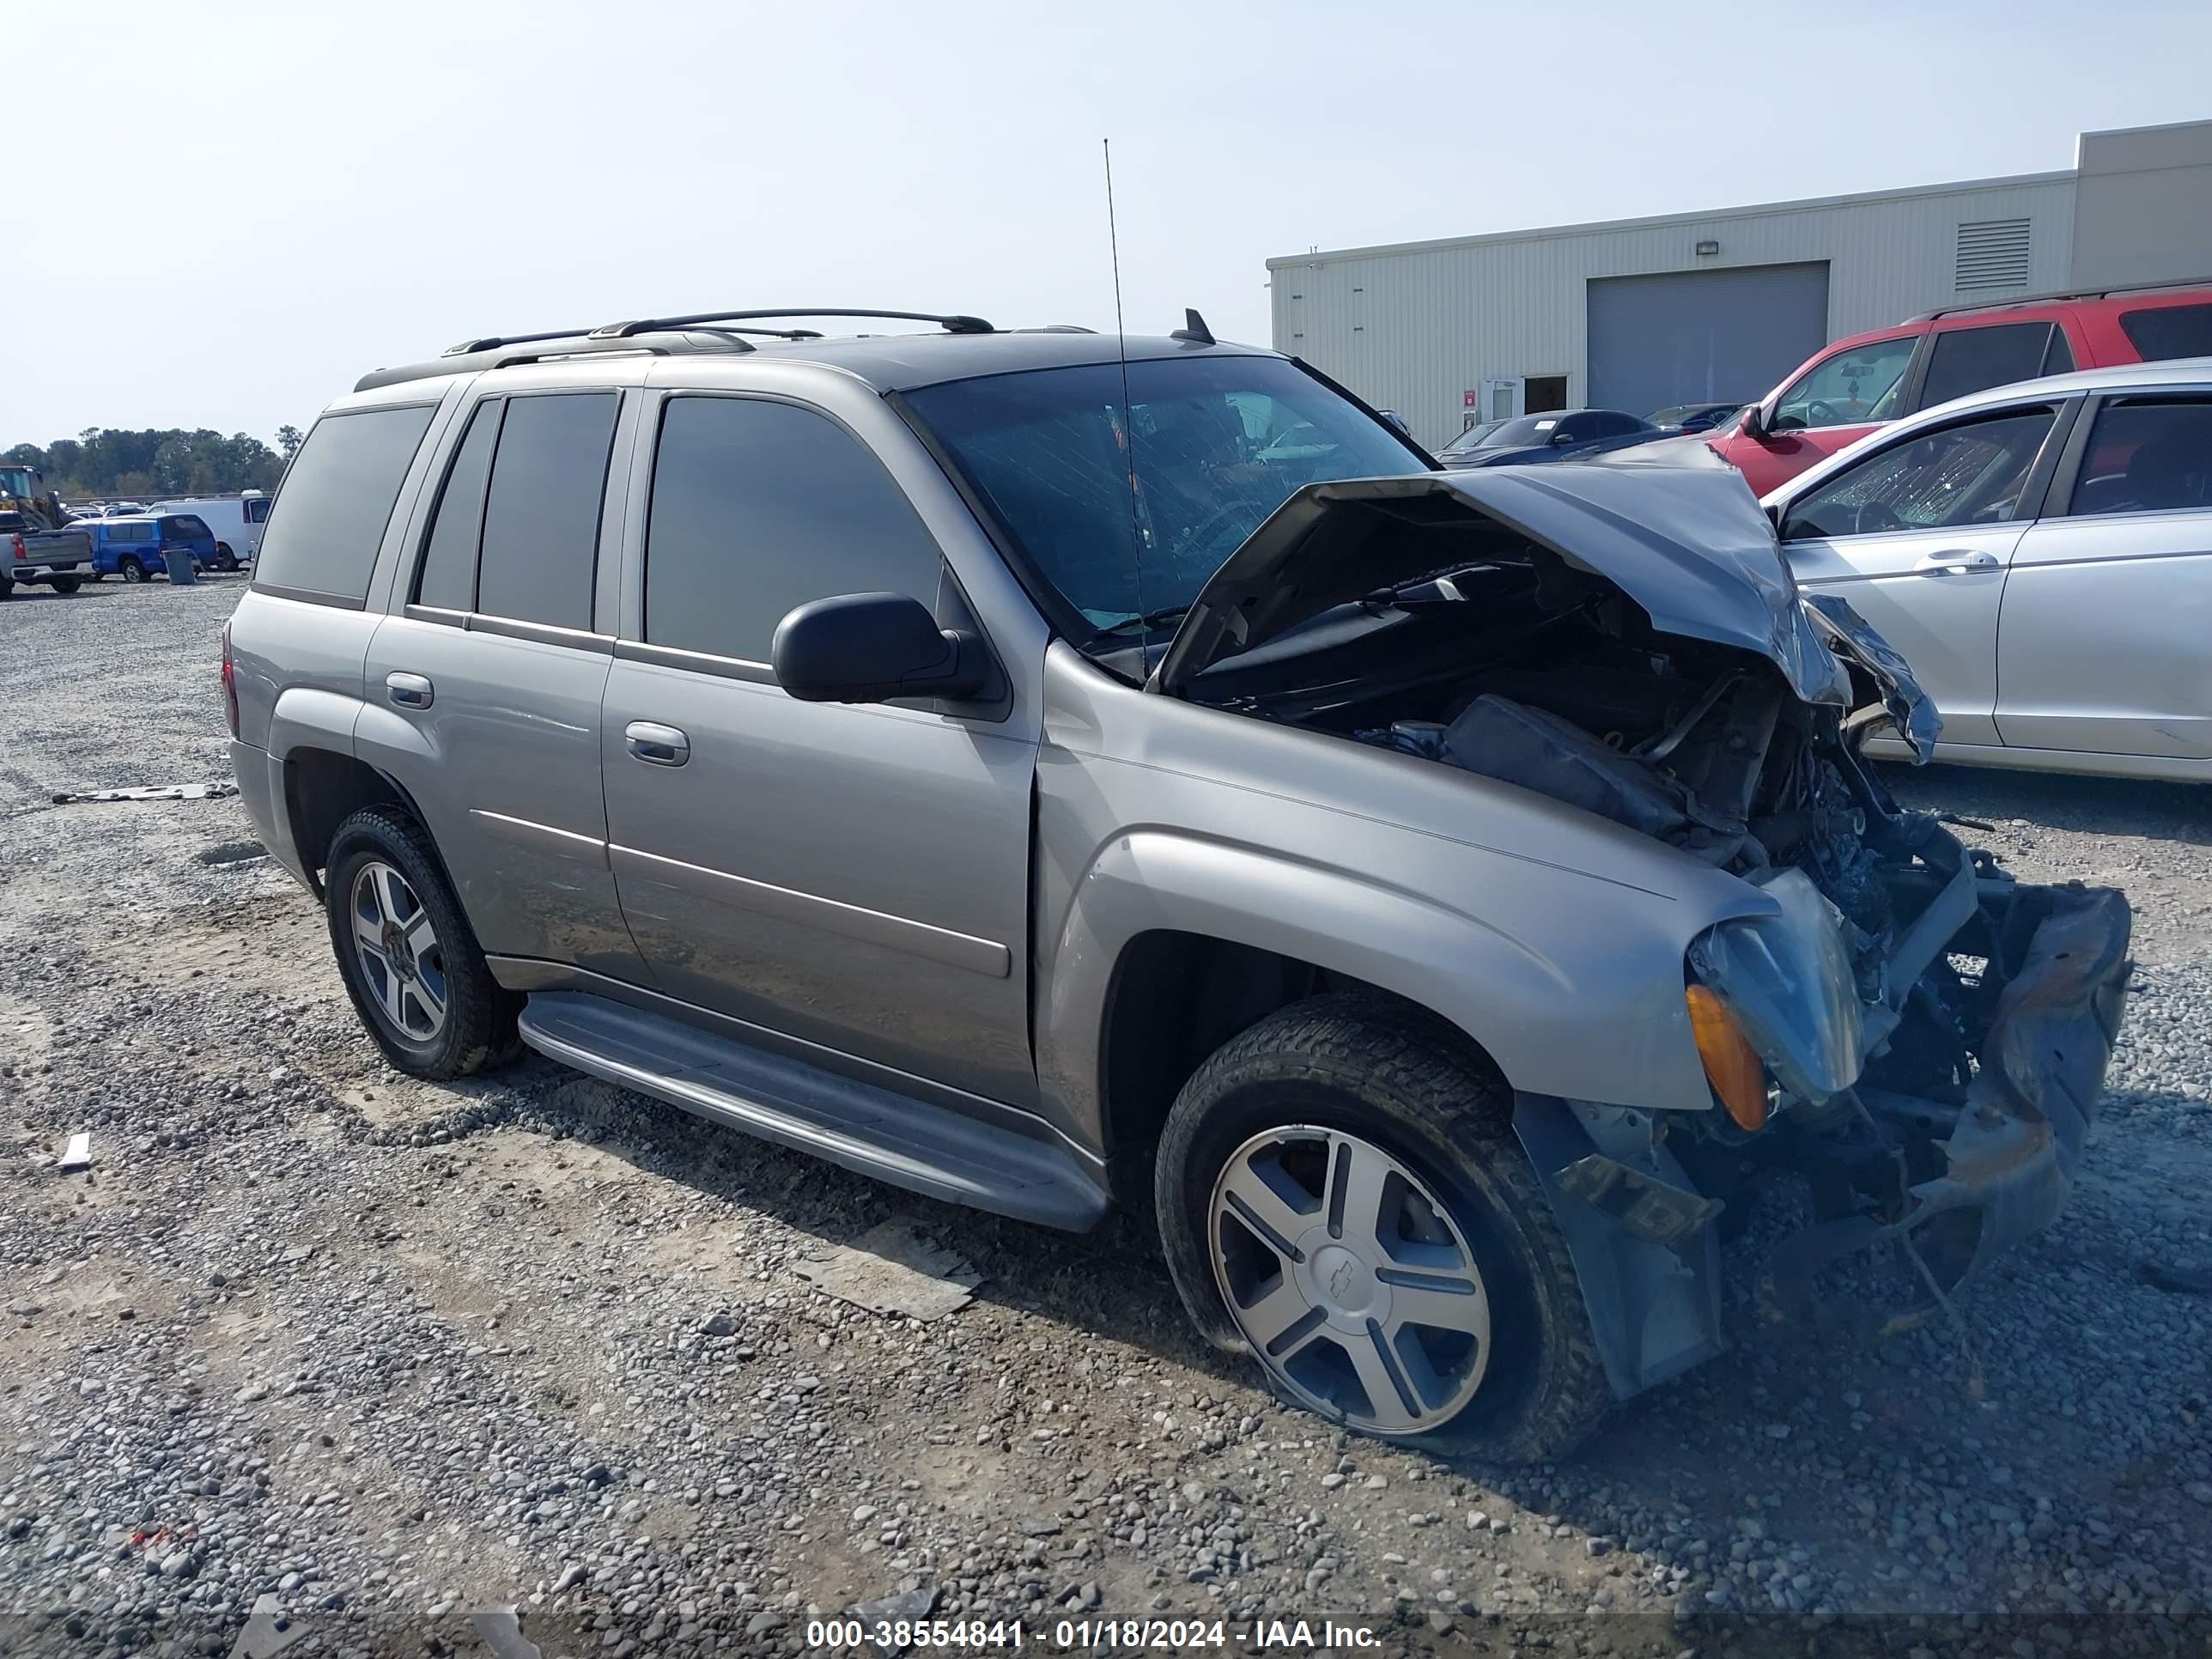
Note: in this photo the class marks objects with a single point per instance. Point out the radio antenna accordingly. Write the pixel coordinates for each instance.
(1121, 349)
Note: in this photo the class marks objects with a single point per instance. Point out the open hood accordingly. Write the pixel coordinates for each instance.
(1687, 543)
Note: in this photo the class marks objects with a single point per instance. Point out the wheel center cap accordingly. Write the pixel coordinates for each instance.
(395, 951)
(1341, 1283)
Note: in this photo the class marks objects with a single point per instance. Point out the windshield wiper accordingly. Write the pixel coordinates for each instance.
(1165, 617)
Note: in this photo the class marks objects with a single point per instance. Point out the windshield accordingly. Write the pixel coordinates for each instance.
(1219, 443)
(1529, 429)
(1471, 439)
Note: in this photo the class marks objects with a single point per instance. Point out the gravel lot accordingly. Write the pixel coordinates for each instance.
(394, 1352)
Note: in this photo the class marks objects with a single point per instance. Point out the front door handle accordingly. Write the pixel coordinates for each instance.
(657, 744)
(409, 690)
(1957, 560)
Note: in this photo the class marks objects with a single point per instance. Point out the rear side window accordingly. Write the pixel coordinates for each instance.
(256, 511)
(1966, 359)
(759, 506)
(2169, 331)
(337, 499)
(448, 575)
(2147, 455)
(541, 521)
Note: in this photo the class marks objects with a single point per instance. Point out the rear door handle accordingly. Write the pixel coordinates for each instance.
(657, 744)
(409, 690)
(1954, 561)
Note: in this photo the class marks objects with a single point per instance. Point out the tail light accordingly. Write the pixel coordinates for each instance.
(230, 684)
(21, 552)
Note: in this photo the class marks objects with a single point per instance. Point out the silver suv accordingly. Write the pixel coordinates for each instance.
(1045, 777)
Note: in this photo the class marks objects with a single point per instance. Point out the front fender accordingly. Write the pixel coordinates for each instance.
(1587, 1006)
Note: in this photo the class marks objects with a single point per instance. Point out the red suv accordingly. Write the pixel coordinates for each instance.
(1856, 385)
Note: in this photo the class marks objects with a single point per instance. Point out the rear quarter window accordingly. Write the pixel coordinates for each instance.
(328, 519)
(2165, 331)
(187, 526)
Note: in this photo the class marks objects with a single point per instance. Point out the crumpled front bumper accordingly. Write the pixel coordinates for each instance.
(2011, 1151)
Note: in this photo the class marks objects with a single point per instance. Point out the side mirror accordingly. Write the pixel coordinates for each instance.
(1753, 421)
(1395, 422)
(871, 647)
(1563, 436)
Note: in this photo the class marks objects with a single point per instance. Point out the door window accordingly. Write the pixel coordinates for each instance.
(1850, 388)
(2146, 455)
(759, 506)
(1970, 474)
(337, 499)
(448, 575)
(541, 522)
(1966, 359)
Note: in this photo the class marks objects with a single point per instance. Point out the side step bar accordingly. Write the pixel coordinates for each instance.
(873, 1131)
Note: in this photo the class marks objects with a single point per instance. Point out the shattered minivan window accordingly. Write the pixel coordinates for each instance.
(1219, 442)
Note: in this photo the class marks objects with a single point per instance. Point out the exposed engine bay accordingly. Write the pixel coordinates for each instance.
(1895, 1003)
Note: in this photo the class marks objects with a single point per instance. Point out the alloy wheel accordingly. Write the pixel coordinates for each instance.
(402, 963)
(1350, 1280)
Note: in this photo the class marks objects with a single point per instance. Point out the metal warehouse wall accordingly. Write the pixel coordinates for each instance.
(1411, 328)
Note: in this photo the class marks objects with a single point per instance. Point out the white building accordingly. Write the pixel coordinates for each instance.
(1720, 306)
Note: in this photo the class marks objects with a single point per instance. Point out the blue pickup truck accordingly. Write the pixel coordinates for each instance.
(138, 548)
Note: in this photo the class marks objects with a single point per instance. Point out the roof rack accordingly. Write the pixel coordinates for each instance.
(2068, 294)
(493, 341)
(952, 324)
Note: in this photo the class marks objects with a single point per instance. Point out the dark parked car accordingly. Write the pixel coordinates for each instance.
(1692, 418)
(1552, 437)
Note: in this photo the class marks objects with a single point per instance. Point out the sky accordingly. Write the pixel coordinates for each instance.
(307, 190)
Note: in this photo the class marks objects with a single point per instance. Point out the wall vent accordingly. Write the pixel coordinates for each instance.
(1992, 254)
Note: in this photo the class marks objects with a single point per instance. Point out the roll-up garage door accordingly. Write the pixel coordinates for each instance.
(1689, 337)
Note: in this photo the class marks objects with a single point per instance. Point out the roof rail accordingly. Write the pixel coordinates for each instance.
(2068, 293)
(493, 341)
(538, 348)
(952, 324)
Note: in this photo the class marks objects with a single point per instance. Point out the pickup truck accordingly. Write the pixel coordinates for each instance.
(60, 558)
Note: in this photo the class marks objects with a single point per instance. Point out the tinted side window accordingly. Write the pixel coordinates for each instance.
(2148, 456)
(541, 524)
(186, 527)
(758, 507)
(256, 511)
(1966, 359)
(448, 575)
(2169, 331)
(337, 498)
(1968, 474)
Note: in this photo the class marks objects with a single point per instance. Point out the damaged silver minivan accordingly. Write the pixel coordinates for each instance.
(1048, 772)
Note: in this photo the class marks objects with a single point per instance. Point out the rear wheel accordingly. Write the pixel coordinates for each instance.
(224, 558)
(7, 587)
(130, 569)
(408, 956)
(1341, 1196)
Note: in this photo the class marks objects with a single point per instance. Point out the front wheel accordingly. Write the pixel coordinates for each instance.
(408, 956)
(1341, 1196)
(131, 570)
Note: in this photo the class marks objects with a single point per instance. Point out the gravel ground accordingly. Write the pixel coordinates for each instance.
(394, 1353)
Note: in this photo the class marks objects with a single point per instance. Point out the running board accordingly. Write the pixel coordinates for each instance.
(873, 1131)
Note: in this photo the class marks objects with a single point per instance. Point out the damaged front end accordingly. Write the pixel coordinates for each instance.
(1894, 1023)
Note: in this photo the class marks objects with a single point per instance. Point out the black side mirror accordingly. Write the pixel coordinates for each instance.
(1753, 421)
(871, 647)
(1563, 436)
(1395, 422)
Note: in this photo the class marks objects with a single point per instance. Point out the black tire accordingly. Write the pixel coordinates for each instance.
(479, 1028)
(66, 584)
(224, 558)
(130, 569)
(7, 587)
(1410, 1083)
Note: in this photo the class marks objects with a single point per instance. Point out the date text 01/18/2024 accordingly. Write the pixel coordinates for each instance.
(1090, 1634)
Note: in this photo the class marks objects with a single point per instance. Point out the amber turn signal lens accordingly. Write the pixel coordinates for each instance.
(1732, 1065)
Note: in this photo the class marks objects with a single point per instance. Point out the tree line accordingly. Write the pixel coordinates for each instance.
(156, 462)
